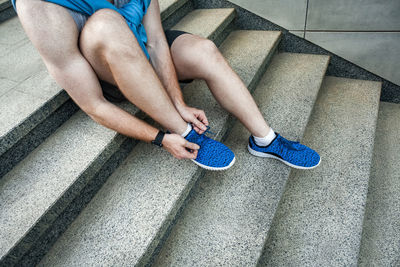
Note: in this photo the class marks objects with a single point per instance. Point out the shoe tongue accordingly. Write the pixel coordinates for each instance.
(193, 136)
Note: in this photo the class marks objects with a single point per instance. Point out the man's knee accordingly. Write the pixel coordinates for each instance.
(196, 51)
(101, 33)
(206, 48)
(102, 22)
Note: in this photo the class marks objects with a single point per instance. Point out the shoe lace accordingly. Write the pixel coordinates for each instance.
(287, 144)
(203, 135)
(209, 132)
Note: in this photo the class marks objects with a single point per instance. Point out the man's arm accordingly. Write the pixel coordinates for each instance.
(161, 60)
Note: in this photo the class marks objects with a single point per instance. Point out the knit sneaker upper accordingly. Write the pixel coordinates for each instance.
(212, 154)
(289, 151)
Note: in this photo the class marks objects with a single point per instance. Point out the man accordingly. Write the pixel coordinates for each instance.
(123, 43)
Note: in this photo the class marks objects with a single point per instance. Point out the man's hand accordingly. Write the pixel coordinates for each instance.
(195, 116)
(179, 147)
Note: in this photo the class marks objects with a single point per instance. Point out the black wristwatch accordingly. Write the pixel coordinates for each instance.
(159, 138)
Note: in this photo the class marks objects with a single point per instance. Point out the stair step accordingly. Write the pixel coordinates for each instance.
(28, 95)
(168, 7)
(11, 33)
(4, 4)
(227, 220)
(40, 186)
(319, 219)
(6, 10)
(130, 214)
(380, 243)
(60, 166)
(189, 23)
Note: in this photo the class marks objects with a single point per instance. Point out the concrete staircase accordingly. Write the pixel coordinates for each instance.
(380, 244)
(75, 193)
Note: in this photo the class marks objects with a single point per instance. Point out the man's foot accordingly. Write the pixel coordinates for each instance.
(212, 154)
(291, 153)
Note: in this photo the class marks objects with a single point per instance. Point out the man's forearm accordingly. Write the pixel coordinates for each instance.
(162, 63)
(117, 119)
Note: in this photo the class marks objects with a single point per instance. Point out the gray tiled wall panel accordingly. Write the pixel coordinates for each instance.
(289, 14)
(354, 15)
(378, 52)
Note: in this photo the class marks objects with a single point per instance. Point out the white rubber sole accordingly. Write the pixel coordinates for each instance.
(214, 168)
(266, 155)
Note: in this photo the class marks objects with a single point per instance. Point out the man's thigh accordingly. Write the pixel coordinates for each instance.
(51, 29)
(54, 33)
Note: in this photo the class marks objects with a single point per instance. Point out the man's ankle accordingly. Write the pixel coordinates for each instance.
(187, 131)
(265, 140)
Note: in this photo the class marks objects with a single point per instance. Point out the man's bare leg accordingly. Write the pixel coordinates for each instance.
(114, 53)
(53, 32)
(197, 57)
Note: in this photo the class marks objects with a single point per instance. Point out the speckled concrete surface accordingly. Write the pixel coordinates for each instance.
(11, 32)
(4, 49)
(380, 243)
(180, 11)
(6, 85)
(4, 4)
(19, 104)
(125, 221)
(21, 62)
(40, 85)
(74, 166)
(227, 220)
(168, 7)
(23, 113)
(39, 187)
(221, 16)
(6, 12)
(17, 118)
(319, 219)
(35, 95)
(22, 145)
(14, 109)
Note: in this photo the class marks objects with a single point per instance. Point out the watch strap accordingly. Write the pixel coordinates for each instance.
(159, 138)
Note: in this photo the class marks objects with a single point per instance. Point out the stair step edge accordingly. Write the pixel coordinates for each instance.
(44, 105)
(126, 105)
(341, 129)
(158, 190)
(380, 242)
(225, 222)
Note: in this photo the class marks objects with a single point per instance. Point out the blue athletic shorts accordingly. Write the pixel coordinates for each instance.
(111, 92)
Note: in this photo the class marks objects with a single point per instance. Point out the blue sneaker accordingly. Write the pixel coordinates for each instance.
(291, 153)
(212, 154)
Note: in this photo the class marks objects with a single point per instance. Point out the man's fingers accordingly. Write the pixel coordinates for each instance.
(202, 117)
(200, 131)
(189, 155)
(192, 146)
(199, 125)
